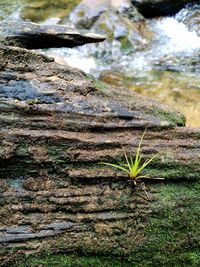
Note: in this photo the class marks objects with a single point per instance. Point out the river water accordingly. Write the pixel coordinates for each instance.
(166, 68)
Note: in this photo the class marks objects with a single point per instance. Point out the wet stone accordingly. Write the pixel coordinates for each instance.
(24, 91)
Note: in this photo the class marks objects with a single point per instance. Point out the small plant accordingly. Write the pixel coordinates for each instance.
(133, 167)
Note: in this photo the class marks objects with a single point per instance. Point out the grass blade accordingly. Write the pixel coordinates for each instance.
(139, 146)
(115, 166)
(128, 163)
(147, 162)
(131, 160)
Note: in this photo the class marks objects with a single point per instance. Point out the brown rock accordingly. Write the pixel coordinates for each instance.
(57, 123)
(33, 36)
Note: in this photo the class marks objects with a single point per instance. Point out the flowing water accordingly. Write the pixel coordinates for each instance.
(166, 67)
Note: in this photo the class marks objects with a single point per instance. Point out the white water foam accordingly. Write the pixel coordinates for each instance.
(77, 60)
(175, 36)
(171, 44)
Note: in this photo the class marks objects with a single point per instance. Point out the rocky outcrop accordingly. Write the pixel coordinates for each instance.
(57, 123)
(155, 8)
(88, 12)
(125, 29)
(33, 36)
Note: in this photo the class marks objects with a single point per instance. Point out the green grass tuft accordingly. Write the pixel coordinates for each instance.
(133, 166)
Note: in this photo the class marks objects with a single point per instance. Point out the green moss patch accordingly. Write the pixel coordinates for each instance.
(173, 232)
(72, 260)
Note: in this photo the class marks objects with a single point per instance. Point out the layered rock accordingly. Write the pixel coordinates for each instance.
(57, 123)
(32, 36)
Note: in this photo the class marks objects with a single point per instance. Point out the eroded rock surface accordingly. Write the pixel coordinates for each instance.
(33, 36)
(56, 124)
